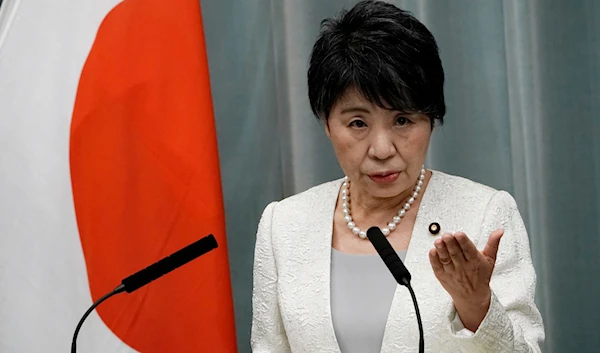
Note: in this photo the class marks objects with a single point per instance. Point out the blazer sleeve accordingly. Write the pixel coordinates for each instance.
(268, 334)
(513, 322)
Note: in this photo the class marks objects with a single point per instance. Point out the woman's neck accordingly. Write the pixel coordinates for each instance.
(370, 205)
(374, 206)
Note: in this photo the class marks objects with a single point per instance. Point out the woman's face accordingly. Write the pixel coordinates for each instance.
(381, 151)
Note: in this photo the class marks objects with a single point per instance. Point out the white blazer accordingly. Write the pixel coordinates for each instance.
(291, 296)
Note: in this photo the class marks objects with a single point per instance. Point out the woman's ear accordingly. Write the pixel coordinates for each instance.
(327, 132)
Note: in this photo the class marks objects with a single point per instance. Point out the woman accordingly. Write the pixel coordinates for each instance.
(376, 82)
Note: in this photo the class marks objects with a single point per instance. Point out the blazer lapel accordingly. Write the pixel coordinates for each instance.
(401, 332)
(318, 262)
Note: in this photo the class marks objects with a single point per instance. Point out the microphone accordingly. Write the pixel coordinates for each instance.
(169, 263)
(389, 256)
(398, 270)
(151, 273)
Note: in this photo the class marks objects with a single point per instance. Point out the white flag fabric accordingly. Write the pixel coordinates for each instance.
(43, 283)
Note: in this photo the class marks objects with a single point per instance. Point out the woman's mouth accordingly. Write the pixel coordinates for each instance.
(384, 178)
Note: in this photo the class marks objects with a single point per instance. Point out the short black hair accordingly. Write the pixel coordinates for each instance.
(384, 53)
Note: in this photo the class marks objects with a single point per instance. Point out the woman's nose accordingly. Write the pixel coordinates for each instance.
(382, 146)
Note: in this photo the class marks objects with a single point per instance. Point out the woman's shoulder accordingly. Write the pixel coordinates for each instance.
(470, 192)
(461, 185)
(316, 195)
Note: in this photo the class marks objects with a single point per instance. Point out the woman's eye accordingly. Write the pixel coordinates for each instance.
(358, 123)
(402, 121)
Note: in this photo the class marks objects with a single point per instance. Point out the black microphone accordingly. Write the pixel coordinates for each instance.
(398, 270)
(152, 272)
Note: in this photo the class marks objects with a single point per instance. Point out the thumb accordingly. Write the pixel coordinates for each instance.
(491, 248)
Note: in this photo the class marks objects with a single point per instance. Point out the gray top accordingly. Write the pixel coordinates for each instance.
(362, 289)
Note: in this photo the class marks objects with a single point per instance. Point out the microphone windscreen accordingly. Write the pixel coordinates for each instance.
(169, 263)
(388, 255)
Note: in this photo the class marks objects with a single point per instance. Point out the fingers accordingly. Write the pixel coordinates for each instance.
(443, 255)
(454, 249)
(437, 266)
(491, 248)
(469, 249)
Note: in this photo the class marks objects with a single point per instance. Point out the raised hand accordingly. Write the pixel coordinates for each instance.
(465, 273)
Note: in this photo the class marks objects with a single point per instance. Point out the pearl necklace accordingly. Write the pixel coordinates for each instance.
(392, 225)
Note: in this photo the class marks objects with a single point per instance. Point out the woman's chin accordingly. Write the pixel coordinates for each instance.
(386, 191)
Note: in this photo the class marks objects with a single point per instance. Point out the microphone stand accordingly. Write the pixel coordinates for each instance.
(414, 299)
(119, 289)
